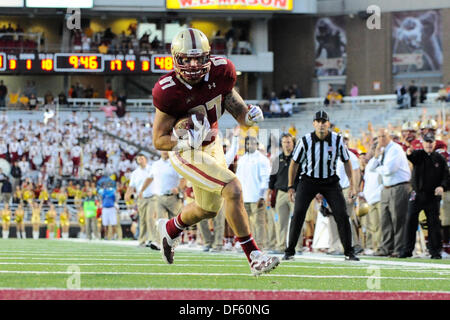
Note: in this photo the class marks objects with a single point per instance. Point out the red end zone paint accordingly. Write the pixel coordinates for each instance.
(162, 294)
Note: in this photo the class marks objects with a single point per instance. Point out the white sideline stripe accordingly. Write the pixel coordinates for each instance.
(217, 265)
(220, 274)
(116, 259)
(363, 264)
(372, 261)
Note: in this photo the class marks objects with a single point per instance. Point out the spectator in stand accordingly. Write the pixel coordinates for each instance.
(62, 99)
(412, 90)
(108, 92)
(33, 102)
(293, 130)
(3, 94)
(230, 38)
(71, 92)
(16, 174)
(85, 43)
(103, 48)
(6, 190)
(275, 109)
(89, 92)
(403, 99)
(295, 90)
(354, 92)
(76, 40)
(109, 110)
(287, 108)
(284, 94)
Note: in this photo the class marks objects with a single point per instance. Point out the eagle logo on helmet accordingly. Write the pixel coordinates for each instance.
(187, 46)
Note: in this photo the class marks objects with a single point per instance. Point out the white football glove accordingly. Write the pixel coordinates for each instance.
(253, 115)
(194, 137)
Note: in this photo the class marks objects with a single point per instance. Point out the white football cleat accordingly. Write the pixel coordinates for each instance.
(167, 243)
(261, 263)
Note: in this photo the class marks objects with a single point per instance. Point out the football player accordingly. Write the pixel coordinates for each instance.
(430, 125)
(409, 136)
(203, 84)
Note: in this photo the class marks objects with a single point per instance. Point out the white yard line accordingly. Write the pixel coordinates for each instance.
(223, 275)
(361, 267)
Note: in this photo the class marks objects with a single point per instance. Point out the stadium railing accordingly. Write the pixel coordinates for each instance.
(146, 105)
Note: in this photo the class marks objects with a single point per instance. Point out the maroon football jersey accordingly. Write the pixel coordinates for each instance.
(177, 98)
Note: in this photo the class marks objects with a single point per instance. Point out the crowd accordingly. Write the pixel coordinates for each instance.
(108, 42)
(280, 105)
(52, 163)
(13, 39)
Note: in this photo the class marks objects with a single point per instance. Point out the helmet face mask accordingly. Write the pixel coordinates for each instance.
(191, 52)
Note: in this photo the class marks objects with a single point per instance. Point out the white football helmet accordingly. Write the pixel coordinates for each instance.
(191, 43)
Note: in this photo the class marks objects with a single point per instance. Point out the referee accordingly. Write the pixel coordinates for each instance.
(316, 154)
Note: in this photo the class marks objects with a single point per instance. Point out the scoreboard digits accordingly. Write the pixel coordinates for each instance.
(2, 61)
(47, 63)
(162, 63)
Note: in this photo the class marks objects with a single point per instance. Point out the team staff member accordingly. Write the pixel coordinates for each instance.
(392, 165)
(144, 201)
(316, 154)
(429, 179)
(253, 171)
(166, 184)
(279, 183)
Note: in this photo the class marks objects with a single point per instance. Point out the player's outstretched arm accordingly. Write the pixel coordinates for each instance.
(162, 131)
(244, 115)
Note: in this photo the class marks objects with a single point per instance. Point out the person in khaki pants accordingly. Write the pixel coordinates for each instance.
(253, 171)
(371, 193)
(279, 183)
(145, 194)
(166, 185)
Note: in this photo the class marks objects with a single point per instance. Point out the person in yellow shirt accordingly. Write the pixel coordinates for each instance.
(43, 195)
(18, 195)
(70, 189)
(78, 196)
(64, 221)
(82, 222)
(50, 221)
(6, 220)
(62, 196)
(28, 195)
(293, 130)
(36, 218)
(20, 227)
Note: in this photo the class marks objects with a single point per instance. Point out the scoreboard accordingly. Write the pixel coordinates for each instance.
(57, 63)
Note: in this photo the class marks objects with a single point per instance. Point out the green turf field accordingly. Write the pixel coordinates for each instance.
(51, 263)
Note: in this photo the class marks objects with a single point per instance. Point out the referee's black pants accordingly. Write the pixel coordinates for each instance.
(332, 192)
(430, 204)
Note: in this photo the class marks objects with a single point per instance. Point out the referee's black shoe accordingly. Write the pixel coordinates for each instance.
(288, 257)
(351, 257)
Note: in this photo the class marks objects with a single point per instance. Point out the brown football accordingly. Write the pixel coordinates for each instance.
(184, 124)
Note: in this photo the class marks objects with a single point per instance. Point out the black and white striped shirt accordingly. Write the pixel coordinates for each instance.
(317, 158)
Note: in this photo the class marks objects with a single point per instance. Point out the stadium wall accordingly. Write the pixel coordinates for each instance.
(369, 55)
(445, 16)
(292, 42)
